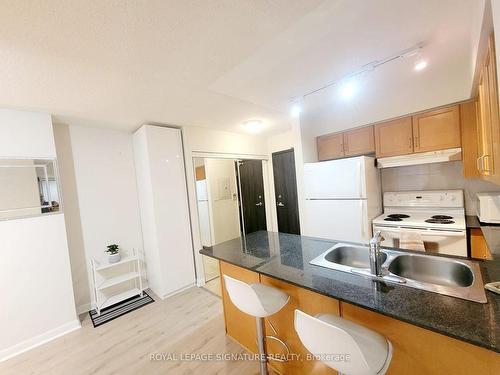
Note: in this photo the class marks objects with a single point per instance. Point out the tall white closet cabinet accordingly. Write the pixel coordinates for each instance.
(161, 182)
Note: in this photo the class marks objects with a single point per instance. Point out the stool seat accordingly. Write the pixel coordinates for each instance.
(259, 301)
(373, 345)
(326, 334)
(255, 299)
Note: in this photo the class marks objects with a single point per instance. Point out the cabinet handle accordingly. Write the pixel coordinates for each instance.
(417, 142)
(482, 162)
(346, 147)
(478, 164)
(410, 145)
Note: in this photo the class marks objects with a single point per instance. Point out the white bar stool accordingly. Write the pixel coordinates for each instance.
(329, 335)
(260, 301)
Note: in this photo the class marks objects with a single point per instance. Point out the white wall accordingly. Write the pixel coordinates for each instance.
(223, 209)
(436, 177)
(106, 195)
(26, 134)
(35, 282)
(198, 139)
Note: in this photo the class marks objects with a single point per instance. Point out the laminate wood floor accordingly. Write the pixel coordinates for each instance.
(190, 322)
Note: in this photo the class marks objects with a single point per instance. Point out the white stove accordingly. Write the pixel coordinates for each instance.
(436, 218)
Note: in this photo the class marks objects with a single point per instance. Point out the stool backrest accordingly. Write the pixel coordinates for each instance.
(329, 343)
(244, 297)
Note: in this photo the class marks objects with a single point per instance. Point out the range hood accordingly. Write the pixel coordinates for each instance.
(440, 156)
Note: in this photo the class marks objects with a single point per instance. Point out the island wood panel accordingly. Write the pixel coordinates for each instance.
(418, 351)
(283, 321)
(437, 130)
(394, 138)
(239, 325)
(330, 146)
(360, 141)
(468, 130)
(479, 247)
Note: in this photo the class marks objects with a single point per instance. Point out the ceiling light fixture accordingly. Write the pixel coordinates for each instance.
(369, 67)
(420, 65)
(253, 126)
(348, 89)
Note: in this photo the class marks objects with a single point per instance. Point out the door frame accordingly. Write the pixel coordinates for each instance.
(195, 226)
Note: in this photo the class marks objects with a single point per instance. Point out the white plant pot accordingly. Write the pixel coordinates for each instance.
(115, 258)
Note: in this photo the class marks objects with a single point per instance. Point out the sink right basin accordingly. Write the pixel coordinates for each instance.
(432, 270)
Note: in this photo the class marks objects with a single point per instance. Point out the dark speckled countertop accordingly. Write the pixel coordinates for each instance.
(286, 257)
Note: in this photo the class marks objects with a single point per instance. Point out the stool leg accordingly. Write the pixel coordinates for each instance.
(261, 346)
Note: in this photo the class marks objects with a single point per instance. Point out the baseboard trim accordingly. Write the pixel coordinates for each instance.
(36, 341)
(171, 294)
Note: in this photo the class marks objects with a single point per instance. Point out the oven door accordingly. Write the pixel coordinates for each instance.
(436, 241)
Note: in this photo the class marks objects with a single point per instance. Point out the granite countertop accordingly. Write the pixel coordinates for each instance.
(286, 257)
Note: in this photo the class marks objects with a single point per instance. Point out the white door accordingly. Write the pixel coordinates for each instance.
(343, 220)
(335, 179)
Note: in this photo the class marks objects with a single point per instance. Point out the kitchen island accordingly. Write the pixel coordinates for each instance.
(431, 333)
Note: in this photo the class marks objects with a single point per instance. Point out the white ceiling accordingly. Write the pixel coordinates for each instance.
(214, 63)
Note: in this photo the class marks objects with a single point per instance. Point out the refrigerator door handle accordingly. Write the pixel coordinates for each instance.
(360, 181)
(364, 215)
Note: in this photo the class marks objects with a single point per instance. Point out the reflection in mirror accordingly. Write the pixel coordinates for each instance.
(221, 184)
(28, 187)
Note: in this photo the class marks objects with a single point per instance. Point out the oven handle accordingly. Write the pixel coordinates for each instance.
(422, 232)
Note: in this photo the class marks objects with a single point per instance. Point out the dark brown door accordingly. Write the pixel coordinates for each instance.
(285, 187)
(252, 195)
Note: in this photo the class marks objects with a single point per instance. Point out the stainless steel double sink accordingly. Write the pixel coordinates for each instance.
(449, 276)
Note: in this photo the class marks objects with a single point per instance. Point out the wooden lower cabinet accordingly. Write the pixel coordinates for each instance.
(478, 246)
(418, 351)
(309, 302)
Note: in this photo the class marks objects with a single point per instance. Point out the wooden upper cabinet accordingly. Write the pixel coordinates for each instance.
(468, 130)
(330, 146)
(437, 130)
(394, 138)
(359, 141)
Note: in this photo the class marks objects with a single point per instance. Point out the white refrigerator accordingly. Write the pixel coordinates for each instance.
(342, 198)
(203, 212)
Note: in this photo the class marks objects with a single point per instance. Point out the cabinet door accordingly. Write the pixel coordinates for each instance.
(283, 321)
(468, 129)
(394, 138)
(437, 130)
(359, 141)
(330, 146)
(478, 246)
(239, 325)
(491, 128)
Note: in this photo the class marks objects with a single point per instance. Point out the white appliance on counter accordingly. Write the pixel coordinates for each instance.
(435, 217)
(342, 197)
(488, 207)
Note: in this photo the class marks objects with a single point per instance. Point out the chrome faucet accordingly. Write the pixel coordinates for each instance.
(375, 262)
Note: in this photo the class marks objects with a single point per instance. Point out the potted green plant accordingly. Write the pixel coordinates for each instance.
(113, 253)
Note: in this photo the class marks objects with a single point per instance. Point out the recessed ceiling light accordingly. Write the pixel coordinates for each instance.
(348, 89)
(253, 126)
(296, 110)
(420, 65)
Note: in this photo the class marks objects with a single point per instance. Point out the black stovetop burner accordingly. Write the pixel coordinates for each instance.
(439, 221)
(442, 217)
(393, 219)
(398, 216)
